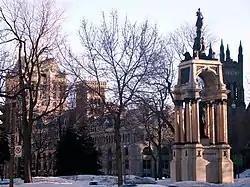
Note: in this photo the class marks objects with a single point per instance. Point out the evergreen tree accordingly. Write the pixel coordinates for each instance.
(76, 154)
(4, 149)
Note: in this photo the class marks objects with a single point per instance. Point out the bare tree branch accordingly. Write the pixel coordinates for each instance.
(182, 39)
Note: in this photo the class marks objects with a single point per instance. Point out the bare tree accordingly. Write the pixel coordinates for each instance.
(182, 39)
(155, 101)
(120, 54)
(32, 30)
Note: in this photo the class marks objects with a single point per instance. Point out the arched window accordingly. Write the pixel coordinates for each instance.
(110, 154)
(100, 151)
(110, 161)
(126, 151)
(50, 161)
(147, 151)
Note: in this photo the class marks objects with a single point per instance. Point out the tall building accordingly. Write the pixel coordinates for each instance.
(50, 82)
(233, 78)
(90, 96)
(49, 86)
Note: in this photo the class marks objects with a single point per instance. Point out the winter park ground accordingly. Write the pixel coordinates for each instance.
(110, 181)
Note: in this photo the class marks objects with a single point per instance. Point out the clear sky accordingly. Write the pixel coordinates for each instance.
(227, 19)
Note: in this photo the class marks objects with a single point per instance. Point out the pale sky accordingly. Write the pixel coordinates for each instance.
(227, 19)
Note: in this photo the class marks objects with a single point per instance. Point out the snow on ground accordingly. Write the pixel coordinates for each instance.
(111, 181)
(245, 174)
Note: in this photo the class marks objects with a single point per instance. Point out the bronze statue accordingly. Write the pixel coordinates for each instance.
(202, 117)
(187, 56)
(199, 21)
(197, 43)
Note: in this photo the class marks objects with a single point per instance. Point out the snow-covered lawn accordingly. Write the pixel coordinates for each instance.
(110, 181)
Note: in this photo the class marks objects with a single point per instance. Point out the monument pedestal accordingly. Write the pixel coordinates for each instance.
(195, 162)
(194, 166)
(175, 164)
(225, 164)
(220, 167)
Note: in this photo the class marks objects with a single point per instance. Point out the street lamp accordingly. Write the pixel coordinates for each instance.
(233, 105)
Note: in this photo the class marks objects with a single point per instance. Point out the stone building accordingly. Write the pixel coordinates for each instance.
(233, 78)
(50, 85)
(136, 147)
(139, 155)
(90, 96)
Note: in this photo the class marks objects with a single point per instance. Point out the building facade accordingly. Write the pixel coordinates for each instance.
(139, 155)
(233, 78)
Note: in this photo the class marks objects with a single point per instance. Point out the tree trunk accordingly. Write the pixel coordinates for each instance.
(27, 173)
(118, 149)
(37, 162)
(160, 163)
(155, 169)
(25, 124)
(159, 149)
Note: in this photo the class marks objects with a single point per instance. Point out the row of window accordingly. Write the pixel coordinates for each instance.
(146, 166)
(55, 90)
(125, 138)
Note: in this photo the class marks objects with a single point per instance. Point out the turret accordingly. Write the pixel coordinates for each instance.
(240, 54)
(228, 59)
(222, 53)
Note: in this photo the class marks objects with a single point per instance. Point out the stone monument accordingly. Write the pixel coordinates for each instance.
(201, 151)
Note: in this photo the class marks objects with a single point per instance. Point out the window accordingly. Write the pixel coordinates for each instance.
(43, 88)
(146, 164)
(54, 91)
(123, 137)
(147, 151)
(50, 161)
(126, 151)
(165, 164)
(110, 154)
(110, 167)
(126, 164)
(126, 138)
(45, 165)
(129, 139)
(142, 137)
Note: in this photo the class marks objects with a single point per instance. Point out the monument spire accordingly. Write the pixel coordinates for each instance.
(197, 42)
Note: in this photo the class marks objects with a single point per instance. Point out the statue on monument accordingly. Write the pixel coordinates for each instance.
(203, 124)
(199, 22)
(197, 48)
